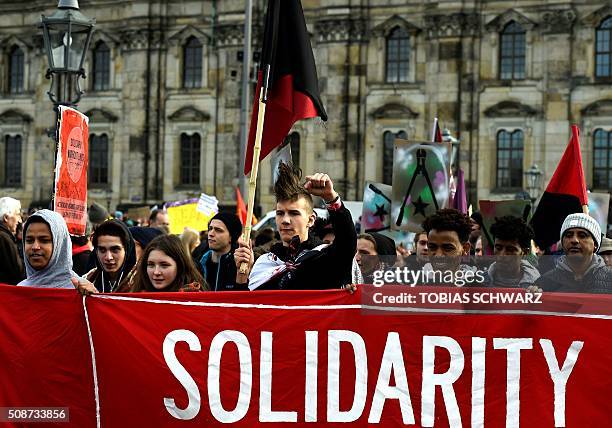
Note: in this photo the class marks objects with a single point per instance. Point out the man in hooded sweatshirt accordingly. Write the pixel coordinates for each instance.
(579, 270)
(48, 251)
(217, 264)
(115, 255)
(512, 243)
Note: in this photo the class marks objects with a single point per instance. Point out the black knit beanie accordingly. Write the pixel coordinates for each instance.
(233, 224)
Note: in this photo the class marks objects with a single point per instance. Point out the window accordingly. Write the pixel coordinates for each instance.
(192, 63)
(603, 50)
(12, 161)
(512, 52)
(398, 54)
(98, 159)
(602, 159)
(190, 159)
(101, 67)
(509, 159)
(388, 140)
(15, 70)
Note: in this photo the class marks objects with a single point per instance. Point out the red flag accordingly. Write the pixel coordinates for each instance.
(566, 194)
(293, 85)
(241, 209)
(569, 175)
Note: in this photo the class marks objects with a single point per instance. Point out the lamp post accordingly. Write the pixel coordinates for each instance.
(66, 34)
(533, 177)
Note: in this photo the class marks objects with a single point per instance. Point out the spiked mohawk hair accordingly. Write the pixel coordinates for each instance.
(288, 186)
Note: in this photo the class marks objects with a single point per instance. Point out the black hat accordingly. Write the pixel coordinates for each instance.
(385, 246)
(97, 213)
(233, 224)
(144, 235)
(477, 217)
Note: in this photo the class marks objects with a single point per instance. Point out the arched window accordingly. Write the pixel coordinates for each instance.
(512, 52)
(12, 161)
(397, 55)
(388, 140)
(190, 159)
(98, 159)
(192, 63)
(16, 70)
(509, 159)
(101, 67)
(603, 48)
(602, 159)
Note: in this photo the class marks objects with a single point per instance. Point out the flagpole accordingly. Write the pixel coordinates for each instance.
(261, 114)
(245, 96)
(433, 131)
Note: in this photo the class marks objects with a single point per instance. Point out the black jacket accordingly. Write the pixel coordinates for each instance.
(220, 276)
(597, 279)
(318, 270)
(80, 262)
(11, 265)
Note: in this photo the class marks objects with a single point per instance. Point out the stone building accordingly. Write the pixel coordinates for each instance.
(163, 93)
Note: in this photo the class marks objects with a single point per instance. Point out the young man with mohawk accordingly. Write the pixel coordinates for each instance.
(301, 261)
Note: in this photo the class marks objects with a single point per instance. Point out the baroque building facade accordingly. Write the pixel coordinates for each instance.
(163, 93)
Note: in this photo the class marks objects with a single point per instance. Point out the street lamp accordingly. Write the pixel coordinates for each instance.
(533, 177)
(66, 34)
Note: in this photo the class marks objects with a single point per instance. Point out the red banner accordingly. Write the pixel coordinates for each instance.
(299, 359)
(70, 198)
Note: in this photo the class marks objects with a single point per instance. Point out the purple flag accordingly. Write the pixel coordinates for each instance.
(460, 199)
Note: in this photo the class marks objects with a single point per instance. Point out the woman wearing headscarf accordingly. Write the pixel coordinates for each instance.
(48, 251)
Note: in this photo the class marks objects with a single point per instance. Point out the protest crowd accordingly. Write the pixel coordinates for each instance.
(418, 291)
(305, 253)
(115, 254)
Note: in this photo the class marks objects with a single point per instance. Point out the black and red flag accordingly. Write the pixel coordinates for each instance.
(566, 194)
(293, 92)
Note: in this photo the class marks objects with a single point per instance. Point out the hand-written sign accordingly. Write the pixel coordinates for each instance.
(184, 214)
(71, 169)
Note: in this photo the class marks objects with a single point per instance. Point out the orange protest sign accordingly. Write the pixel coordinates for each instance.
(71, 169)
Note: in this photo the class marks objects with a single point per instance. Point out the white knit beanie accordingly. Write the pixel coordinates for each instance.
(583, 221)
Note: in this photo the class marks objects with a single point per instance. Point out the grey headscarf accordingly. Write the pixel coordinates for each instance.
(58, 271)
